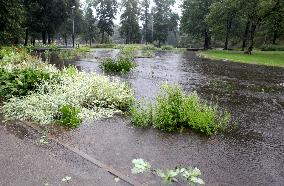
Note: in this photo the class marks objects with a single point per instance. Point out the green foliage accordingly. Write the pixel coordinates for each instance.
(96, 96)
(83, 49)
(69, 116)
(149, 47)
(68, 54)
(106, 11)
(129, 29)
(140, 166)
(272, 48)
(167, 47)
(120, 65)
(106, 45)
(21, 82)
(142, 115)
(164, 20)
(190, 175)
(174, 110)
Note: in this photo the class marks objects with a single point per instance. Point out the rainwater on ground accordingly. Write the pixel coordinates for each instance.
(251, 152)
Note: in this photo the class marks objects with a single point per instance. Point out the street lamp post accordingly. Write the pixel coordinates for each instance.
(73, 27)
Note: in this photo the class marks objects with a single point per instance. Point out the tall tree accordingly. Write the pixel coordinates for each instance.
(145, 18)
(12, 16)
(129, 29)
(224, 19)
(106, 11)
(193, 19)
(162, 14)
(90, 22)
(256, 11)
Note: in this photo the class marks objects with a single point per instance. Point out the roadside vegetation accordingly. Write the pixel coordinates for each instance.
(174, 110)
(269, 58)
(36, 91)
(189, 174)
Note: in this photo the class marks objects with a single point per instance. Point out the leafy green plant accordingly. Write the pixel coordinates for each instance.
(21, 82)
(120, 65)
(190, 175)
(167, 47)
(142, 116)
(68, 54)
(174, 110)
(149, 47)
(69, 116)
(95, 95)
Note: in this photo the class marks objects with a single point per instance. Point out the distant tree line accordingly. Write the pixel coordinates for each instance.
(233, 21)
(31, 20)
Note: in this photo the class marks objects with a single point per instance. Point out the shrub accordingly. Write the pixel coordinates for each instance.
(120, 65)
(21, 82)
(95, 95)
(68, 54)
(174, 110)
(142, 116)
(149, 47)
(69, 116)
(83, 49)
(167, 47)
(272, 48)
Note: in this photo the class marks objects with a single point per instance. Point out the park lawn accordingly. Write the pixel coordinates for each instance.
(269, 58)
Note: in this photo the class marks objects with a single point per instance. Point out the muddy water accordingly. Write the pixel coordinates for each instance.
(252, 153)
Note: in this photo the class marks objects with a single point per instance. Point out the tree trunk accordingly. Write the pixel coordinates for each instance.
(43, 34)
(228, 30)
(49, 38)
(206, 39)
(65, 39)
(245, 36)
(27, 37)
(103, 37)
(90, 42)
(275, 34)
(251, 38)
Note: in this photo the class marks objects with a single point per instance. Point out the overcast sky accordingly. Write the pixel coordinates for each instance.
(176, 8)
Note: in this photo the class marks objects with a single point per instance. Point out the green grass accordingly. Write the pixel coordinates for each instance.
(120, 65)
(269, 58)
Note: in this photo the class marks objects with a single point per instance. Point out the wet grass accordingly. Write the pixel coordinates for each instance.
(269, 58)
(120, 65)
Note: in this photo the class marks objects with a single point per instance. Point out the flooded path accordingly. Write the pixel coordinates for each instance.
(252, 153)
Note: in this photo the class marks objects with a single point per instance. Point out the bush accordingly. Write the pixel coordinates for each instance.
(120, 65)
(83, 49)
(149, 47)
(69, 116)
(174, 110)
(96, 96)
(21, 82)
(142, 116)
(167, 47)
(272, 48)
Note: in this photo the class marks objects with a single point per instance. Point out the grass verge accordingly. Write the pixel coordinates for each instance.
(269, 58)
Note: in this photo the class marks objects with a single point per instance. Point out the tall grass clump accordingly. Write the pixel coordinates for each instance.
(167, 47)
(174, 110)
(120, 65)
(123, 64)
